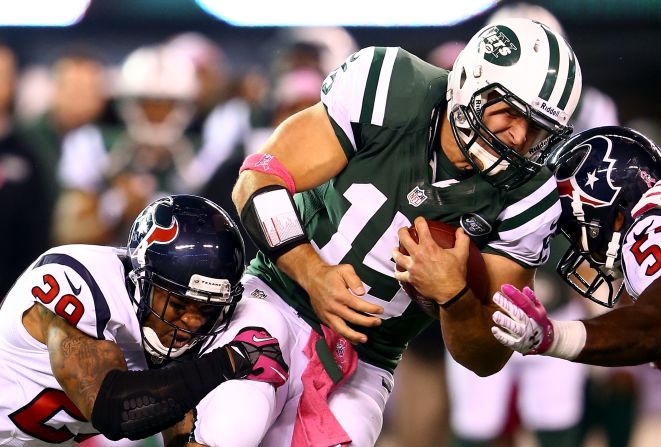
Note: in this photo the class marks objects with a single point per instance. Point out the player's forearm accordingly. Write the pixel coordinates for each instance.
(467, 336)
(628, 335)
(301, 264)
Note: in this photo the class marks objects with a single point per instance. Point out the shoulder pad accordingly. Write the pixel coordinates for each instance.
(649, 201)
(68, 288)
(641, 252)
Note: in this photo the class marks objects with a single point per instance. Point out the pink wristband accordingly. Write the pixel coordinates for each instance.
(268, 164)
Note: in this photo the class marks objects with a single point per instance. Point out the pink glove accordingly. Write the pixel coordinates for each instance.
(258, 355)
(524, 326)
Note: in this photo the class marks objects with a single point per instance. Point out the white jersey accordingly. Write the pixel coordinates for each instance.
(641, 253)
(85, 285)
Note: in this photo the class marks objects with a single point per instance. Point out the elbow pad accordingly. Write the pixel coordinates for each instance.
(129, 405)
(138, 404)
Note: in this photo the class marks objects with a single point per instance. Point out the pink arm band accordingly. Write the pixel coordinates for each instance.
(268, 164)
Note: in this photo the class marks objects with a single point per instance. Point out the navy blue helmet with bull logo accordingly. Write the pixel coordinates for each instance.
(601, 173)
(188, 247)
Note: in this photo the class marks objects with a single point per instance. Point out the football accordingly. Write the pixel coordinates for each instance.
(476, 275)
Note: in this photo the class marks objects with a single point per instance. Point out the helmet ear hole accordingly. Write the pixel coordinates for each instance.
(462, 78)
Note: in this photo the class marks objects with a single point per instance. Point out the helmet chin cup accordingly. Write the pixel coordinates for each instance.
(491, 164)
(158, 350)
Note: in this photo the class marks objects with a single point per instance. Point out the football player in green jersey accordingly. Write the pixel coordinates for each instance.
(394, 141)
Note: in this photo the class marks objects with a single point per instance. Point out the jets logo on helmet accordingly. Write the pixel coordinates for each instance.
(501, 46)
(590, 180)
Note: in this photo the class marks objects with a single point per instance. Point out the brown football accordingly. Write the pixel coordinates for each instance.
(476, 275)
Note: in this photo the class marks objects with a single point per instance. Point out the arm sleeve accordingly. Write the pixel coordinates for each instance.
(138, 404)
(356, 92)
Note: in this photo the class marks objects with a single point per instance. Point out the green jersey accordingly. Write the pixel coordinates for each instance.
(384, 104)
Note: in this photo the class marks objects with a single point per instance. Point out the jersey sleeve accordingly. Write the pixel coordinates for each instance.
(641, 253)
(525, 226)
(65, 286)
(356, 93)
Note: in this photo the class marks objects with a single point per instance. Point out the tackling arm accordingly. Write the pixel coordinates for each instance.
(627, 335)
(93, 373)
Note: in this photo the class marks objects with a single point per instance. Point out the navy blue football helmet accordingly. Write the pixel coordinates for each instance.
(188, 247)
(601, 173)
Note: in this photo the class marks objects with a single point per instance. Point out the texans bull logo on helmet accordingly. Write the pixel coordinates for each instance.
(589, 179)
(155, 233)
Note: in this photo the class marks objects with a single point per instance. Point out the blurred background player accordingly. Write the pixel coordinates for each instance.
(76, 94)
(111, 173)
(23, 186)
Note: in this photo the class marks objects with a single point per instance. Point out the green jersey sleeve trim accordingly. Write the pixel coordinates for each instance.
(342, 137)
(357, 92)
(371, 85)
(532, 212)
(526, 226)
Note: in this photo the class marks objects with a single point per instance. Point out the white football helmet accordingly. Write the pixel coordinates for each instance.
(532, 69)
(157, 75)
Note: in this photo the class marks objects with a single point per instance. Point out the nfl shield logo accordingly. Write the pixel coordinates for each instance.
(416, 196)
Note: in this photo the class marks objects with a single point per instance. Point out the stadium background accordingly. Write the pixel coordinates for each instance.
(617, 44)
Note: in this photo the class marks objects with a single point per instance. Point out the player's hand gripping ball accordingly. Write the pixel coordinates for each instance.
(476, 276)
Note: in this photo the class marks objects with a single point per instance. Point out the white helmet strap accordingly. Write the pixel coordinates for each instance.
(579, 214)
(613, 249)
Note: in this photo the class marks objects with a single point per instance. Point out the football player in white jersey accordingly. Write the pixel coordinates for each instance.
(85, 328)
(612, 217)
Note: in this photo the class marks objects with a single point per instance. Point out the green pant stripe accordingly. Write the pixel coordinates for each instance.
(370, 86)
(554, 64)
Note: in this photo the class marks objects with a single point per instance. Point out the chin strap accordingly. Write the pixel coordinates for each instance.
(613, 249)
(579, 214)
